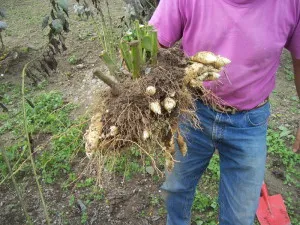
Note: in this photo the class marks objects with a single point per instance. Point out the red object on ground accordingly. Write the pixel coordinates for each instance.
(271, 209)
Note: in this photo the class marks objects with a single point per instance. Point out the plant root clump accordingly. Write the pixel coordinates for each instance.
(147, 110)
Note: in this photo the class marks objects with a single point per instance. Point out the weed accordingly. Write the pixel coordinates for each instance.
(288, 71)
(85, 183)
(72, 200)
(207, 207)
(154, 200)
(162, 211)
(94, 194)
(73, 60)
(84, 218)
(277, 148)
(49, 117)
(214, 167)
(203, 202)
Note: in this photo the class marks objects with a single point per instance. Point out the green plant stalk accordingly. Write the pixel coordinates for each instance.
(136, 58)
(109, 62)
(23, 205)
(109, 14)
(126, 55)
(139, 37)
(138, 30)
(154, 47)
(29, 146)
(106, 37)
(100, 36)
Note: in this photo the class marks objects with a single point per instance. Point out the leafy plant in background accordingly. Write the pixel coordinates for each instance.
(57, 22)
(140, 10)
(3, 25)
(205, 207)
(277, 147)
(288, 71)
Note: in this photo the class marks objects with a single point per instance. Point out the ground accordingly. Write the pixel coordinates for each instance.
(130, 194)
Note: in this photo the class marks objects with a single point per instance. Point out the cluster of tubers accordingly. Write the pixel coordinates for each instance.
(168, 103)
(206, 66)
(162, 101)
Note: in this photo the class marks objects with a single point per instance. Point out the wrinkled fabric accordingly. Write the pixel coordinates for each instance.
(251, 33)
(241, 142)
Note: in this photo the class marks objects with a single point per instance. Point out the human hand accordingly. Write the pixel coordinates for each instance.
(296, 146)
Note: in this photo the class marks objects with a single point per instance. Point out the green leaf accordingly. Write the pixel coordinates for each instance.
(63, 4)
(60, 15)
(150, 170)
(147, 43)
(45, 22)
(57, 25)
(199, 222)
(2, 13)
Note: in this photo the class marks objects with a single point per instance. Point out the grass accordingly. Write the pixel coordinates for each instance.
(56, 139)
(288, 71)
(49, 119)
(278, 149)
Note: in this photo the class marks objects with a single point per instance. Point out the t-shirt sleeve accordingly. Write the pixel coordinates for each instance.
(168, 21)
(293, 44)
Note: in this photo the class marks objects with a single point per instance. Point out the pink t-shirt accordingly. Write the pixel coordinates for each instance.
(251, 33)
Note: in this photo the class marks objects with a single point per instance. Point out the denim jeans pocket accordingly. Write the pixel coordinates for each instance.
(259, 116)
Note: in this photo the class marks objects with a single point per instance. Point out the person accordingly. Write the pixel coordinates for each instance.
(252, 34)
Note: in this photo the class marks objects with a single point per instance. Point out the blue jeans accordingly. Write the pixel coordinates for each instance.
(240, 139)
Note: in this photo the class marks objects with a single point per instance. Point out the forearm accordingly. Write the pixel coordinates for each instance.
(296, 64)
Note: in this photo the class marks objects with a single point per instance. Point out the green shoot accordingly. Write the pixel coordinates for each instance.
(154, 47)
(126, 54)
(109, 62)
(136, 58)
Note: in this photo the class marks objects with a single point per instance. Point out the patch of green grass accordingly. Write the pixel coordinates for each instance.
(214, 167)
(288, 71)
(205, 208)
(49, 117)
(84, 218)
(276, 142)
(277, 147)
(73, 60)
(131, 162)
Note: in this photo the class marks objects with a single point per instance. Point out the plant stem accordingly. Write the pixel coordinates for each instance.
(136, 58)
(109, 62)
(29, 146)
(139, 38)
(154, 47)
(109, 80)
(23, 205)
(126, 55)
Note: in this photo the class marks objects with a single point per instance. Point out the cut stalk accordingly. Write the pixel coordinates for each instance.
(136, 58)
(126, 55)
(109, 80)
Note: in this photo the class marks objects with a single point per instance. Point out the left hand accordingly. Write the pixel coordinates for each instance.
(296, 146)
